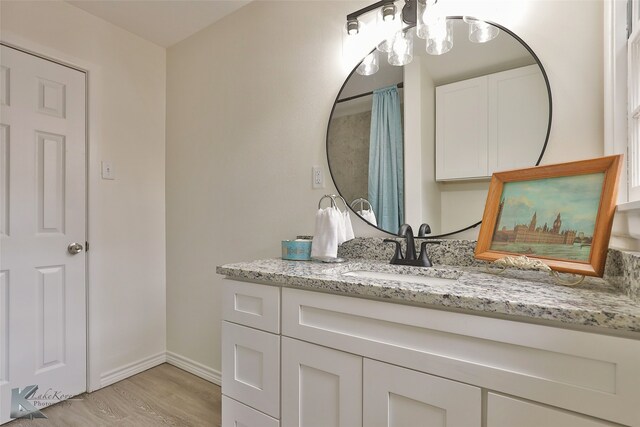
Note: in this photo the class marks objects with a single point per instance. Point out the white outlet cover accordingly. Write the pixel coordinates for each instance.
(317, 177)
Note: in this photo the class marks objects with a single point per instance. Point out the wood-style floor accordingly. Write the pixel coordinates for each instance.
(161, 396)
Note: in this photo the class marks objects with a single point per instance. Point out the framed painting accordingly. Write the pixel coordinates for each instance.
(560, 214)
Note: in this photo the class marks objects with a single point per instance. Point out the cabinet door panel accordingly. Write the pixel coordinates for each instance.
(321, 387)
(505, 411)
(250, 362)
(518, 118)
(399, 397)
(461, 129)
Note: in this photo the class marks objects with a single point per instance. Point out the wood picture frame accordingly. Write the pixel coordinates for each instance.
(585, 191)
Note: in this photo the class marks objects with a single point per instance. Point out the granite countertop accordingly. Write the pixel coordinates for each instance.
(521, 295)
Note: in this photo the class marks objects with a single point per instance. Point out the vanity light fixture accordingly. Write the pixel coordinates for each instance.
(389, 24)
(480, 31)
(369, 65)
(397, 42)
(353, 26)
(401, 52)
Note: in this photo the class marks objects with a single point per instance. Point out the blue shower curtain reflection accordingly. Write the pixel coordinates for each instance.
(386, 174)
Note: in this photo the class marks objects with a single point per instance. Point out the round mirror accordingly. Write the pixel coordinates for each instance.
(418, 143)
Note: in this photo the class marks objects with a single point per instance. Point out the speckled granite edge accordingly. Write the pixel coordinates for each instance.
(622, 268)
(623, 271)
(522, 294)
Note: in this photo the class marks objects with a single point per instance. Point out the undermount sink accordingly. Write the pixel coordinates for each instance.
(409, 278)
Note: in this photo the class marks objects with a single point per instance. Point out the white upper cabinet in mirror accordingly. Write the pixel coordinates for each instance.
(423, 147)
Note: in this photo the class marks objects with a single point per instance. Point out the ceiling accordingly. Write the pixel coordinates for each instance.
(163, 22)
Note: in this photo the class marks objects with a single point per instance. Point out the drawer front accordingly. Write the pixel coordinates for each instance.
(251, 367)
(235, 414)
(251, 304)
(505, 411)
(583, 372)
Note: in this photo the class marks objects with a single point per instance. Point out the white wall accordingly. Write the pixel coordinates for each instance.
(248, 103)
(419, 161)
(127, 77)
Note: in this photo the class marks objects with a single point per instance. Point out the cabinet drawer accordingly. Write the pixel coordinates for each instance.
(505, 411)
(251, 366)
(251, 304)
(235, 414)
(584, 372)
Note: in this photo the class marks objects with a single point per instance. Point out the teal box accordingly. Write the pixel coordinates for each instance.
(296, 250)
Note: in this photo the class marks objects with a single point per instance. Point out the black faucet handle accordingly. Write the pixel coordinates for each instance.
(398, 254)
(424, 230)
(424, 257)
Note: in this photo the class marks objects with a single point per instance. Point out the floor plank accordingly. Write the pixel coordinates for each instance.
(162, 396)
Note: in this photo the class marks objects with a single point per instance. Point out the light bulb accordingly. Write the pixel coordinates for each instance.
(401, 52)
(421, 18)
(439, 36)
(369, 64)
(426, 12)
(353, 27)
(389, 23)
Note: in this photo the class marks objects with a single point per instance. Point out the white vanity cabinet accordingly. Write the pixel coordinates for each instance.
(344, 361)
(490, 123)
(250, 355)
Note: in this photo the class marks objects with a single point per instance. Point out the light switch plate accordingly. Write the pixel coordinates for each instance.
(108, 172)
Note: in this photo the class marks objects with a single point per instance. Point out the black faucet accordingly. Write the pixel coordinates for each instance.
(406, 232)
(410, 253)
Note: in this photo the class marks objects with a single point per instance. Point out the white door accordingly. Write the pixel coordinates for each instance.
(321, 387)
(42, 211)
(399, 397)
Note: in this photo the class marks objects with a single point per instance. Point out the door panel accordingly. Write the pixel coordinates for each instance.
(399, 397)
(4, 179)
(43, 210)
(321, 387)
(51, 182)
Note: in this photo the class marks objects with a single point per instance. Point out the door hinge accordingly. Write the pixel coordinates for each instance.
(86, 246)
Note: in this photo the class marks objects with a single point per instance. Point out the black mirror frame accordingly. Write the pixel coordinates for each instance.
(544, 147)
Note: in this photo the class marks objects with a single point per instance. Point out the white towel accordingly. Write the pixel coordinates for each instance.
(325, 238)
(369, 216)
(348, 227)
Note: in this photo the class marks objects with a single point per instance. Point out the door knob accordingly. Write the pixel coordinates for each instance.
(74, 248)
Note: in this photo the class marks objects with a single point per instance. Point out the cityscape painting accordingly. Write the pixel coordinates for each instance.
(559, 214)
(552, 217)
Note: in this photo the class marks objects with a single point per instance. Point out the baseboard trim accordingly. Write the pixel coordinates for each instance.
(184, 363)
(130, 369)
(195, 368)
